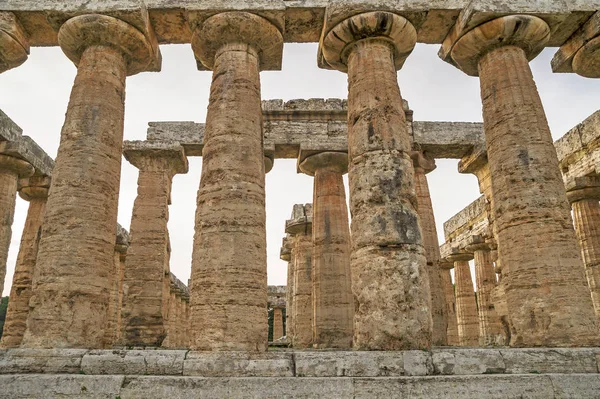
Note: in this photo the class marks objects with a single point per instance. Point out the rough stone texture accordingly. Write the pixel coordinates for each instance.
(452, 331)
(229, 265)
(146, 281)
(238, 364)
(577, 54)
(333, 304)
(13, 41)
(134, 362)
(9, 130)
(439, 310)
(560, 360)
(28, 150)
(467, 362)
(286, 255)
(544, 282)
(388, 259)
(349, 364)
(490, 327)
(35, 190)
(71, 288)
(277, 323)
(300, 226)
(53, 361)
(10, 170)
(466, 308)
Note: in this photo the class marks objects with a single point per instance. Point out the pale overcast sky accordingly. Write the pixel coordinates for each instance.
(35, 96)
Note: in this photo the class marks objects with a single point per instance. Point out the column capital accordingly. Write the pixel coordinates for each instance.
(581, 53)
(34, 187)
(422, 163)
(329, 160)
(14, 46)
(269, 162)
(301, 220)
(382, 25)
(160, 155)
(583, 188)
(237, 28)
(467, 47)
(20, 167)
(140, 49)
(478, 243)
(285, 253)
(460, 257)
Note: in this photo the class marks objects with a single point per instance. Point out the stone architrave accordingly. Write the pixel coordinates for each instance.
(300, 228)
(439, 310)
(71, 288)
(229, 262)
(584, 194)
(11, 169)
(452, 330)
(285, 254)
(333, 304)
(35, 190)
(544, 282)
(491, 332)
(277, 323)
(147, 274)
(14, 46)
(389, 268)
(466, 307)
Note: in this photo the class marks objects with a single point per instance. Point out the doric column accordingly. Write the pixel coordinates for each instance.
(71, 288)
(490, 327)
(439, 311)
(300, 228)
(584, 194)
(466, 307)
(389, 268)
(14, 46)
(545, 286)
(113, 330)
(229, 262)
(452, 330)
(35, 190)
(277, 323)
(333, 304)
(286, 254)
(11, 169)
(147, 276)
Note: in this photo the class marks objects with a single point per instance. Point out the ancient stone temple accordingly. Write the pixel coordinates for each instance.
(373, 306)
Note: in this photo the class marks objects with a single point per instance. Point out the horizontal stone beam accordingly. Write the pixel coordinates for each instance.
(9, 130)
(178, 287)
(276, 296)
(316, 125)
(473, 220)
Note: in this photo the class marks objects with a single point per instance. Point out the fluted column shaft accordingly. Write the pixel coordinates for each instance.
(452, 330)
(71, 288)
(466, 308)
(34, 190)
(439, 311)
(286, 255)
(146, 279)
(545, 285)
(490, 327)
(586, 213)
(277, 323)
(302, 302)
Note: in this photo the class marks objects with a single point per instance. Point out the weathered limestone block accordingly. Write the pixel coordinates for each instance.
(14, 46)
(439, 311)
(35, 190)
(543, 276)
(467, 362)
(131, 362)
(349, 364)
(333, 304)
(146, 280)
(300, 228)
(584, 194)
(466, 307)
(71, 288)
(389, 275)
(11, 169)
(238, 364)
(277, 323)
(38, 361)
(229, 265)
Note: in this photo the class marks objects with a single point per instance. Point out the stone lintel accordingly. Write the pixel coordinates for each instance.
(448, 139)
(301, 220)
(472, 163)
(577, 150)
(9, 130)
(563, 59)
(276, 296)
(178, 287)
(137, 152)
(563, 18)
(464, 219)
(28, 150)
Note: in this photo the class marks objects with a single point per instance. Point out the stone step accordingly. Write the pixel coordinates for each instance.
(542, 386)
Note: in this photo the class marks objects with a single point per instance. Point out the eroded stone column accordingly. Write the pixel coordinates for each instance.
(466, 307)
(439, 311)
(147, 275)
(286, 255)
(545, 286)
(300, 228)
(229, 262)
(113, 330)
(490, 327)
(584, 194)
(452, 330)
(35, 190)
(277, 323)
(10, 170)
(71, 288)
(333, 304)
(389, 269)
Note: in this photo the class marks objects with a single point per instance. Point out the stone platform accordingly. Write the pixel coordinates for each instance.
(447, 373)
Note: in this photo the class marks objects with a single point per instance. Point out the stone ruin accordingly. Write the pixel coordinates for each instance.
(89, 307)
